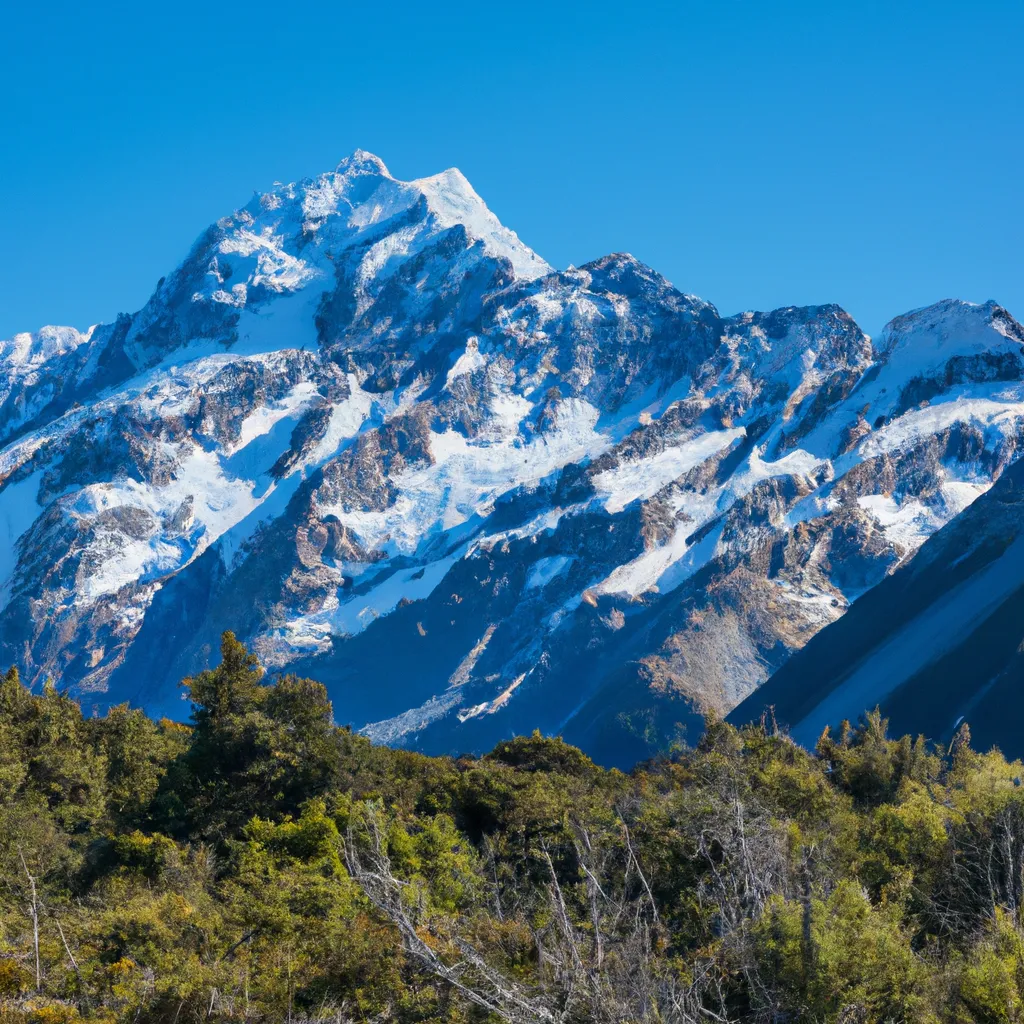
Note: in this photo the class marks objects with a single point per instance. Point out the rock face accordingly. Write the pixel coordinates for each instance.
(939, 642)
(368, 429)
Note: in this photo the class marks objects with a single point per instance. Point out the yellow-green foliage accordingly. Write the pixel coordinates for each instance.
(992, 979)
(839, 952)
(219, 871)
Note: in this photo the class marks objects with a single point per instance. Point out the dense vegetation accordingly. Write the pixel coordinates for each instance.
(262, 864)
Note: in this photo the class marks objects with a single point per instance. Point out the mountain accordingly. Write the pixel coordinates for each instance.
(939, 642)
(368, 429)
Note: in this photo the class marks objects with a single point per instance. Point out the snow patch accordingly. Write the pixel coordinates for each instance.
(262, 420)
(907, 525)
(19, 509)
(639, 479)
(472, 359)
(545, 570)
(468, 476)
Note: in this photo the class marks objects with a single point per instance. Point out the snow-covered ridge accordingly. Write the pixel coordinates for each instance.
(938, 644)
(356, 226)
(454, 201)
(362, 419)
(26, 352)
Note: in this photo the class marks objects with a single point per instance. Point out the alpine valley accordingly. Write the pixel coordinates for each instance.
(366, 428)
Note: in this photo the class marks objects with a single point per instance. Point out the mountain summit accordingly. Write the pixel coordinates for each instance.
(367, 428)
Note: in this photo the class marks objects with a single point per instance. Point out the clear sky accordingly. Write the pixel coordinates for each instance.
(756, 153)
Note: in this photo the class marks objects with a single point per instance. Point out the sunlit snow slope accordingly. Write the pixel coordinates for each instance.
(372, 432)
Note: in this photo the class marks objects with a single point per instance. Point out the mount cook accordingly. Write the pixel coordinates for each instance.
(369, 430)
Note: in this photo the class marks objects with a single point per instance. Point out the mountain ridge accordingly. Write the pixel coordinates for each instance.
(933, 645)
(370, 430)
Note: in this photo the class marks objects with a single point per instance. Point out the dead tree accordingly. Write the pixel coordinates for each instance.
(598, 958)
(33, 910)
(369, 865)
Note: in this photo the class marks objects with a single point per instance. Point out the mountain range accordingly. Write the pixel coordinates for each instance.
(368, 429)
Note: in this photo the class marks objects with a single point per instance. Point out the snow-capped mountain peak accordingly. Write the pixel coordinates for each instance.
(367, 428)
(361, 160)
(27, 352)
(361, 195)
(453, 201)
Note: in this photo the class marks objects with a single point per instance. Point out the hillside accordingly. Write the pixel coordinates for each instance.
(937, 643)
(261, 864)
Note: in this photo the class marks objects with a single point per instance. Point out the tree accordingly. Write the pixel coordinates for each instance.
(138, 752)
(230, 690)
(254, 748)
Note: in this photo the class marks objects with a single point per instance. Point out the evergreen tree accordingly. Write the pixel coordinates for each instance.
(263, 865)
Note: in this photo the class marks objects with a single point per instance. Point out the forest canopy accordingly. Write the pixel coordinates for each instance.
(262, 864)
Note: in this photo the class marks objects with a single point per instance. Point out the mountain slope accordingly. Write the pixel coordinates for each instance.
(938, 642)
(368, 429)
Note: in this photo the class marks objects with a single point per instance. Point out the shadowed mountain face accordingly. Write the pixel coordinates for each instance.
(369, 430)
(939, 642)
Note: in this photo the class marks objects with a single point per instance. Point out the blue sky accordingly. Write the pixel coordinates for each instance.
(757, 154)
